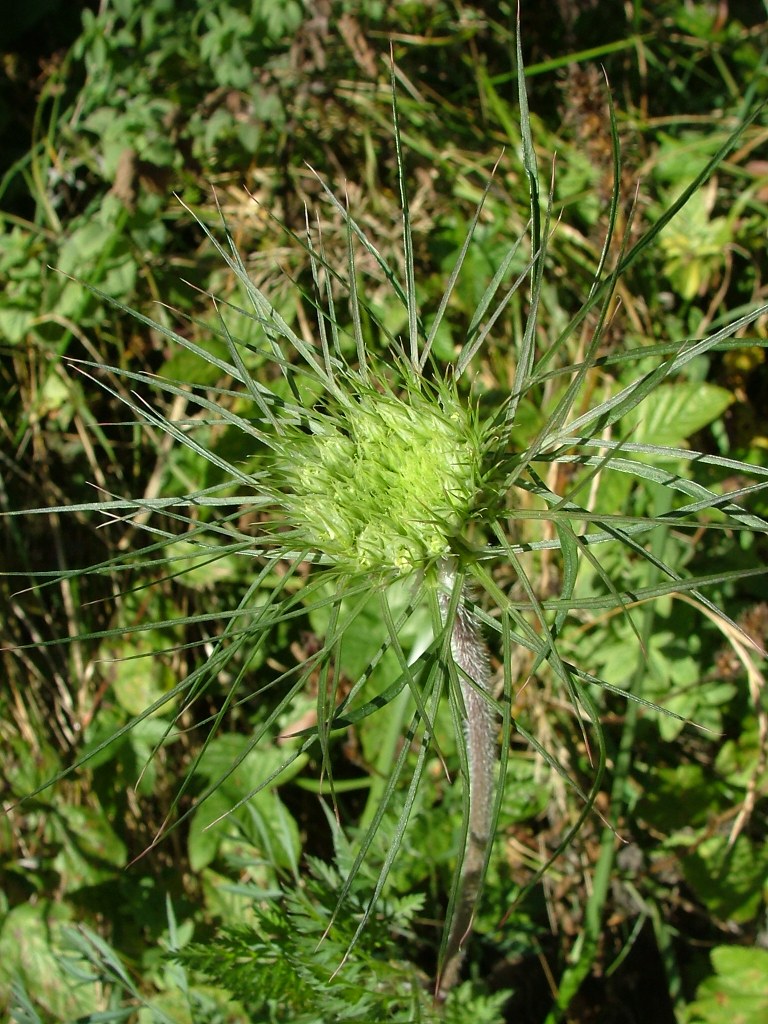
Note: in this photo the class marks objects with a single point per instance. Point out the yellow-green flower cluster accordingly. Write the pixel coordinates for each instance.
(386, 483)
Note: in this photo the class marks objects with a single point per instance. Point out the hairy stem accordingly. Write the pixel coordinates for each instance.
(470, 654)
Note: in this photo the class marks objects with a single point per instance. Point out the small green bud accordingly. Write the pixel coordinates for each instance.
(383, 483)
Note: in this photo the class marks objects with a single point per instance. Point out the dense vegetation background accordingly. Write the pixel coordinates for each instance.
(109, 112)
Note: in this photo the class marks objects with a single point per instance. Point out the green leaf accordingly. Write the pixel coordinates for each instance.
(672, 412)
(30, 941)
(737, 993)
(88, 848)
(140, 677)
(679, 798)
(260, 819)
(94, 836)
(729, 880)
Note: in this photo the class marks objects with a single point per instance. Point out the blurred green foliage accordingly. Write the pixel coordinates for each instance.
(153, 100)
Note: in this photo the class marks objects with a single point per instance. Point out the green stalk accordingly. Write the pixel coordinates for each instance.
(395, 724)
(470, 655)
(587, 950)
(575, 973)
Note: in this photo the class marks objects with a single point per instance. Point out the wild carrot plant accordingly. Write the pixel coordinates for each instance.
(384, 476)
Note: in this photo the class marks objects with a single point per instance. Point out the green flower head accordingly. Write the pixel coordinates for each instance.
(383, 483)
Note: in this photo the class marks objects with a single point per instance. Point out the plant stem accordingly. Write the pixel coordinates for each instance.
(470, 654)
(594, 927)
